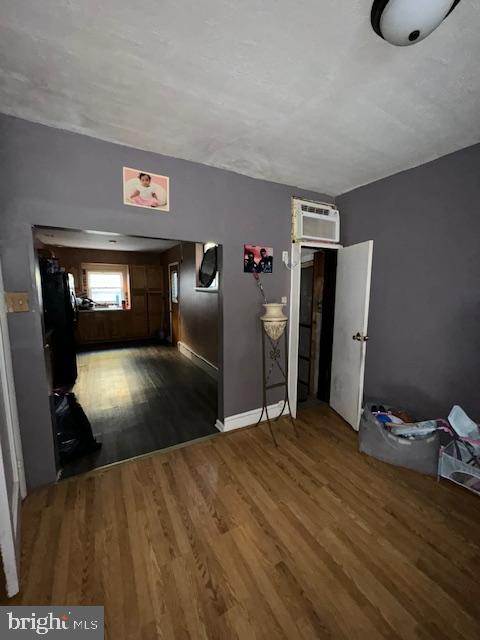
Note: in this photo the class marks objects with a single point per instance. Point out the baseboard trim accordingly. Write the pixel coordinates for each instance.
(199, 360)
(249, 418)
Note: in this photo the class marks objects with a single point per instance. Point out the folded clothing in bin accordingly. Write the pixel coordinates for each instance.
(417, 430)
(377, 439)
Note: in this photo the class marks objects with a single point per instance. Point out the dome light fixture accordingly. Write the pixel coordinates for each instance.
(405, 22)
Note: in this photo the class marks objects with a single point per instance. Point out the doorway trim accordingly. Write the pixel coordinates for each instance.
(12, 481)
(170, 328)
(293, 336)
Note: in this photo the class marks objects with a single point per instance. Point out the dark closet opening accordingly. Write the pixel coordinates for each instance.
(316, 320)
(328, 317)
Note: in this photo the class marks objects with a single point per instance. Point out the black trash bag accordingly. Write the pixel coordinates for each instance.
(74, 432)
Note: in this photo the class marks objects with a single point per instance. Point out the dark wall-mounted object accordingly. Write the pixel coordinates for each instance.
(208, 268)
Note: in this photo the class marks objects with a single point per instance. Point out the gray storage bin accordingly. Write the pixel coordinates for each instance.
(420, 454)
(452, 465)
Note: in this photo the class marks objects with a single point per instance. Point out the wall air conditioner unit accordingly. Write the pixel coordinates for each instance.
(315, 221)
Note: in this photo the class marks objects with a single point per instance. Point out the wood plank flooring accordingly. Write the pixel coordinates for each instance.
(139, 399)
(233, 538)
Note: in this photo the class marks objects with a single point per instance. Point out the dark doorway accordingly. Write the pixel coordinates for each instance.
(328, 317)
(316, 319)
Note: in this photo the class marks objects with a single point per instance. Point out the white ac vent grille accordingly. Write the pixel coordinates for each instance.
(315, 221)
(309, 209)
(319, 228)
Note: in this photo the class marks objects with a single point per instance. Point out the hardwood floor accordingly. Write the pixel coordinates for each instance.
(233, 538)
(140, 399)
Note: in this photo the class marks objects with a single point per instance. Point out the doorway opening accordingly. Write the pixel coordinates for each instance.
(316, 319)
(173, 303)
(129, 334)
(329, 305)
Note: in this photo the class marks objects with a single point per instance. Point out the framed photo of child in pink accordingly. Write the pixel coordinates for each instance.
(145, 189)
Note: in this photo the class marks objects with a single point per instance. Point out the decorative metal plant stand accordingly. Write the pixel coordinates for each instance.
(274, 362)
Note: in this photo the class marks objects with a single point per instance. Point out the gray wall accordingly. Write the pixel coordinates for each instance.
(52, 177)
(424, 347)
(198, 309)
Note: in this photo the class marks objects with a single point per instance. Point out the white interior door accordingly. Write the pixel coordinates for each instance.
(12, 478)
(352, 300)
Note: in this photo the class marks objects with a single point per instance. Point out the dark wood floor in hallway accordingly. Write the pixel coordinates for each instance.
(141, 398)
(233, 538)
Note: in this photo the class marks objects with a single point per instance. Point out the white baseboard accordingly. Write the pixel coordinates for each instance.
(250, 417)
(200, 361)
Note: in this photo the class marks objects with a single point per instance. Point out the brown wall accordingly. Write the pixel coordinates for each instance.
(72, 258)
(198, 309)
(145, 318)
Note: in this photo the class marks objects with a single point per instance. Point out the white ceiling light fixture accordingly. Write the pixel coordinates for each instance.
(101, 233)
(405, 22)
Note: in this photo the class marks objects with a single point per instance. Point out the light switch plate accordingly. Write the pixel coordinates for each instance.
(284, 299)
(17, 301)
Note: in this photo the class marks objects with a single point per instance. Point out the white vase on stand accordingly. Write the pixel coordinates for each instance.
(274, 320)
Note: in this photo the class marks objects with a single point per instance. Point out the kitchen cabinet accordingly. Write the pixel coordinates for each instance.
(138, 276)
(144, 319)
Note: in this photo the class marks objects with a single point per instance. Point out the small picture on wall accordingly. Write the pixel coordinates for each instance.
(145, 189)
(257, 259)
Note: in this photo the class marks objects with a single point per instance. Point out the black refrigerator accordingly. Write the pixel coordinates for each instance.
(60, 317)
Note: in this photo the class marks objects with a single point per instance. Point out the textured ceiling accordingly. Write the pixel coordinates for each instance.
(53, 236)
(301, 92)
